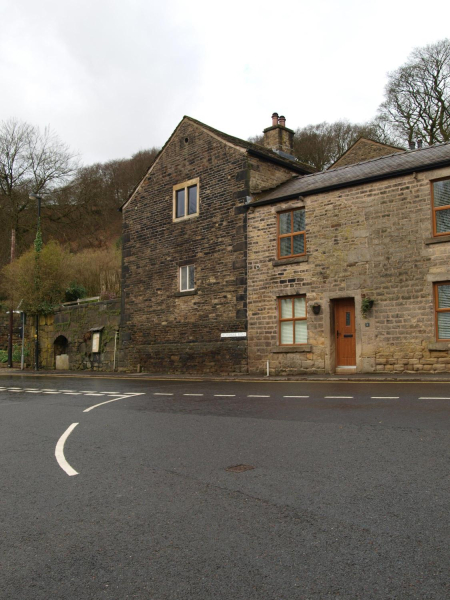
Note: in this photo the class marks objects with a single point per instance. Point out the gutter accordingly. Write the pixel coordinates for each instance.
(347, 184)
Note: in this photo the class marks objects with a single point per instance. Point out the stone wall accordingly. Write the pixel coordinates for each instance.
(166, 330)
(373, 240)
(363, 150)
(265, 175)
(75, 324)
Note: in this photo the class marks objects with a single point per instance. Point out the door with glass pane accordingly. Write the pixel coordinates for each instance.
(292, 321)
(344, 319)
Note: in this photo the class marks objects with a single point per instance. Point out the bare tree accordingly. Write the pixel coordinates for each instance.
(30, 161)
(417, 104)
(85, 212)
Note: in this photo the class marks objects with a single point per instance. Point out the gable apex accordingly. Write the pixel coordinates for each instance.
(243, 145)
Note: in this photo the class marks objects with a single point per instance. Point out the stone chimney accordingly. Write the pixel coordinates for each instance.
(278, 136)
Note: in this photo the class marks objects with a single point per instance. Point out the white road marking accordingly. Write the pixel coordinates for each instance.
(66, 391)
(29, 390)
(14, 390)
(295, 396)
(256, 396)
(48, 390)
(51, 392)
(33, 391)
(111, 393)
(224, 395)
(338, 397)
(72, 393)
(161, 394)
(59, 451)
(11, 388)
(431, 398)
(192, 394)
(106, 402)
(92, 394)
(384, 397)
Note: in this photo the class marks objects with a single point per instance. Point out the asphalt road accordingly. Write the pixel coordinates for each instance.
(347, 497)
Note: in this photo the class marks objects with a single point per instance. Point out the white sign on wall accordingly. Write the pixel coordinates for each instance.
(234, 334)
(96, 341)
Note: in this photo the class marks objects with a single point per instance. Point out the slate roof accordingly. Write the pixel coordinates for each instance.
(383, 167)
(255, 148)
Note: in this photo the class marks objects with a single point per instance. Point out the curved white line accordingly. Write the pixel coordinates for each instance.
(59, 451)
(113, 400)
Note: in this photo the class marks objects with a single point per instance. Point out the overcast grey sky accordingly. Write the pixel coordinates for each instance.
(114, 77)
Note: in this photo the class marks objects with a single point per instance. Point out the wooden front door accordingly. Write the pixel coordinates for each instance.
(344, 319)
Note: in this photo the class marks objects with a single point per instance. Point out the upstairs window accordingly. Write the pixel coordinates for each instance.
(440, 196)
(187, 278)
(185, 199)
(291, 233)
(442, 307)
(292, 321)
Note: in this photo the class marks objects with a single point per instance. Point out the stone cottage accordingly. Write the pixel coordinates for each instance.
(236, 257)
(184, 293)
(349, 269)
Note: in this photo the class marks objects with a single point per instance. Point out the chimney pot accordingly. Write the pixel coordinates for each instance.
(282, 121)
(419, 143)
(412, 145)
(274, 119)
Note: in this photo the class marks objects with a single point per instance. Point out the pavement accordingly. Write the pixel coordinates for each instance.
(405, 377)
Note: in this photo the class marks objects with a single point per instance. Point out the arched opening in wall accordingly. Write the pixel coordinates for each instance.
(60, 347)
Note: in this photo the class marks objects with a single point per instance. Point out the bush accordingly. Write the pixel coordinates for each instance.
(17, 354)
(75, 291)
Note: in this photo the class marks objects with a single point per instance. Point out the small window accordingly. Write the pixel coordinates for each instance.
(440, 197)
(292, 324)
(185, 199)
(187, 278)
(291, 233)
(442, 305)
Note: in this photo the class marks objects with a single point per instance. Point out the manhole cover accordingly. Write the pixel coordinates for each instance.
(239, 468)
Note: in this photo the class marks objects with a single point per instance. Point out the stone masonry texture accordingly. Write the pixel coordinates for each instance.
(362, 150)
(372, 240)
(74, 324)
(164, 330)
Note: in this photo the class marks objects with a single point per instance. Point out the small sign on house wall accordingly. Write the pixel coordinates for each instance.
(235, 334)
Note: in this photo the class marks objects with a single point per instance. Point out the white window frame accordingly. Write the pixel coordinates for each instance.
(187, 288)
(185, 185)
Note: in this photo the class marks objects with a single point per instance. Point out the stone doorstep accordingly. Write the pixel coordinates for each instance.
(346, 370)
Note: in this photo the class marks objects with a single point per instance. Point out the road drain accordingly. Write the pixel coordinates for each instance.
(239, 468)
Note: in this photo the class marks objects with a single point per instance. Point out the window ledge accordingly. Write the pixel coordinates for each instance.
(439, 346)
(186, 218)
(187, 293)
(437, 239)
(290, 261)
(288, 349)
